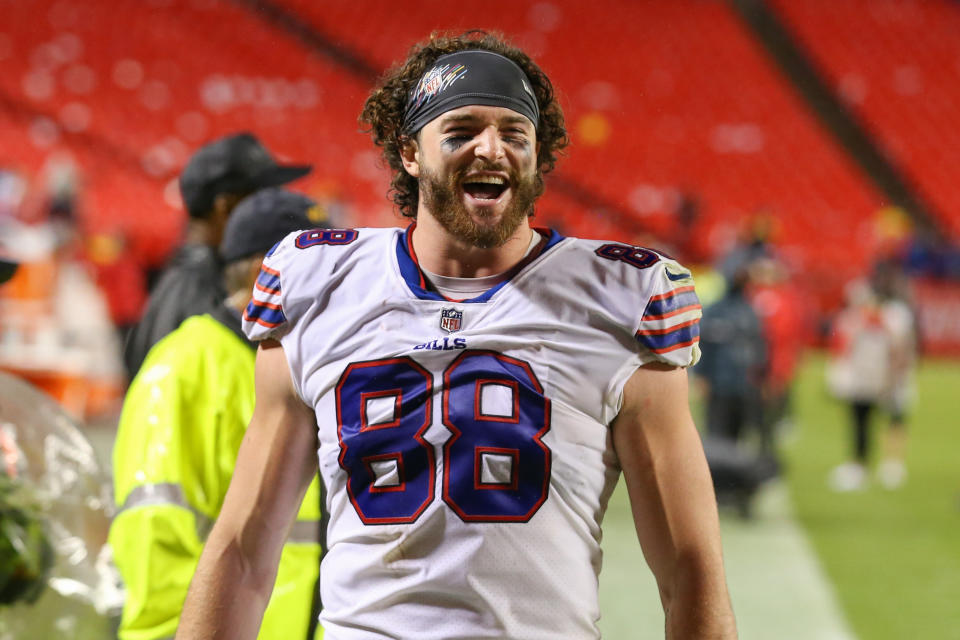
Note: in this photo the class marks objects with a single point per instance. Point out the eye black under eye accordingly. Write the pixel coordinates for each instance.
(455, 141)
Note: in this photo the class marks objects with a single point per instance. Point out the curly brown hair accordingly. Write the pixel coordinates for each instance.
(382, 115)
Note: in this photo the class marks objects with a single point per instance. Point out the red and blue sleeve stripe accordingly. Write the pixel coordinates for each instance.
(670, 338)
(268, 281)
(264, 313)
(671, 303)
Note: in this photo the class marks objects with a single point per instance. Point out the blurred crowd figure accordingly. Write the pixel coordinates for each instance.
(930, 254)
(56, 329)
(734, 362)
(752, 337)
(873, 355)
(214, 181)
(788, 330)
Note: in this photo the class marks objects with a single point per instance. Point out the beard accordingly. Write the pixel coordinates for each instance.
(442, 198)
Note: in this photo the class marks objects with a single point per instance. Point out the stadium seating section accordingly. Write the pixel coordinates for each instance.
(897, 65)
(662, 99)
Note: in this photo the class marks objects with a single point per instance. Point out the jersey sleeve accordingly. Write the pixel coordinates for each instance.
(669, 324)
(264, 316)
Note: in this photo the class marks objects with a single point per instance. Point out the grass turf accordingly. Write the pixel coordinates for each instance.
(893, 556)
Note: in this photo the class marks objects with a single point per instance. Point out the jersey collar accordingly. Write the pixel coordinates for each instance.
(413, 276)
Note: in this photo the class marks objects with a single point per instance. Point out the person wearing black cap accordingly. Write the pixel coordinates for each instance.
(216, 178)
(182, 422)
(476, 387)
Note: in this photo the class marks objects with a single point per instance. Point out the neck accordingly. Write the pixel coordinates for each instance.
(446, 255)
(199, 232)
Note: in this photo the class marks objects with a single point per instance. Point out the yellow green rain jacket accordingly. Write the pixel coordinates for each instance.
(183, 418)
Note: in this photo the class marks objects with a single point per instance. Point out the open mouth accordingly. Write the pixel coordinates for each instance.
(487, 188)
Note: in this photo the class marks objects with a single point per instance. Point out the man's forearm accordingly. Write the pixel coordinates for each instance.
(226, 598)
(699, 605)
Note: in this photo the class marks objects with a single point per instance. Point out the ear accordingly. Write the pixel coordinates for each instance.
(410, 156)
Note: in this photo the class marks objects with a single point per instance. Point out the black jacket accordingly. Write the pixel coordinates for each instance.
(192, 284)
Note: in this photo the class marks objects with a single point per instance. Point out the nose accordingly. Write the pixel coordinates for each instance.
(489, 145)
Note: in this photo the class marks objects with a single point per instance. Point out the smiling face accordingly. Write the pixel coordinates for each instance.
(476, 167)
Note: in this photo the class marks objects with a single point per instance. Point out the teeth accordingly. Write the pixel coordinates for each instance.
(487, 179)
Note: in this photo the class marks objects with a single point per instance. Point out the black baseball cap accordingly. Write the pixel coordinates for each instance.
(265, 218)
(238, 163)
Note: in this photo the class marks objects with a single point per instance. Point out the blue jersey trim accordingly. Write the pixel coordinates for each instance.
(417, 283)
(660, 342)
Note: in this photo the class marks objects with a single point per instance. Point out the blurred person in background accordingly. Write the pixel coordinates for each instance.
(731, 373)
(215, 179)
(753, 243)
(733, 364)
(56, 327)
(183, 419)
(477, 387)
(874, 348)
(786, 328)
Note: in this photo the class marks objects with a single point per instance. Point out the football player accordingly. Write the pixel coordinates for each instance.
(475, 387)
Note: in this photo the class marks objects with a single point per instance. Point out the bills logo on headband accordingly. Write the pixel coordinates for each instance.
(436, 81)
(451, 320)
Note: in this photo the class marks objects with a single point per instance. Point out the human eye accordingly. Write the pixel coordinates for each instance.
(456, 138)
(516, 136)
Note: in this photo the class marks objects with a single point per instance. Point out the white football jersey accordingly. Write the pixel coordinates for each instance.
(465, 445)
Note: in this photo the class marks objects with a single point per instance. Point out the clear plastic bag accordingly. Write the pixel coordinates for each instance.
(57, 486)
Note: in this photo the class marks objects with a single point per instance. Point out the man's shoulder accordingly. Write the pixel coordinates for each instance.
(305, 260)
(619, 262)
(617, 249)
(305, 266)
(644, 291)
(315, 245)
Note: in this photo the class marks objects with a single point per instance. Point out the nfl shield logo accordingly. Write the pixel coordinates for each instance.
(432, 82)
(451, 320)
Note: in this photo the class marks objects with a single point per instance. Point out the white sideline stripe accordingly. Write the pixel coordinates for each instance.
(776, 583)
(779, 587)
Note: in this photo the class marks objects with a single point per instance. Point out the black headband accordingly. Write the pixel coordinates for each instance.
(473, 76)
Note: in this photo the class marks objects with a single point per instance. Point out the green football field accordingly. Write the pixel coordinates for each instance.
(815, 564)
